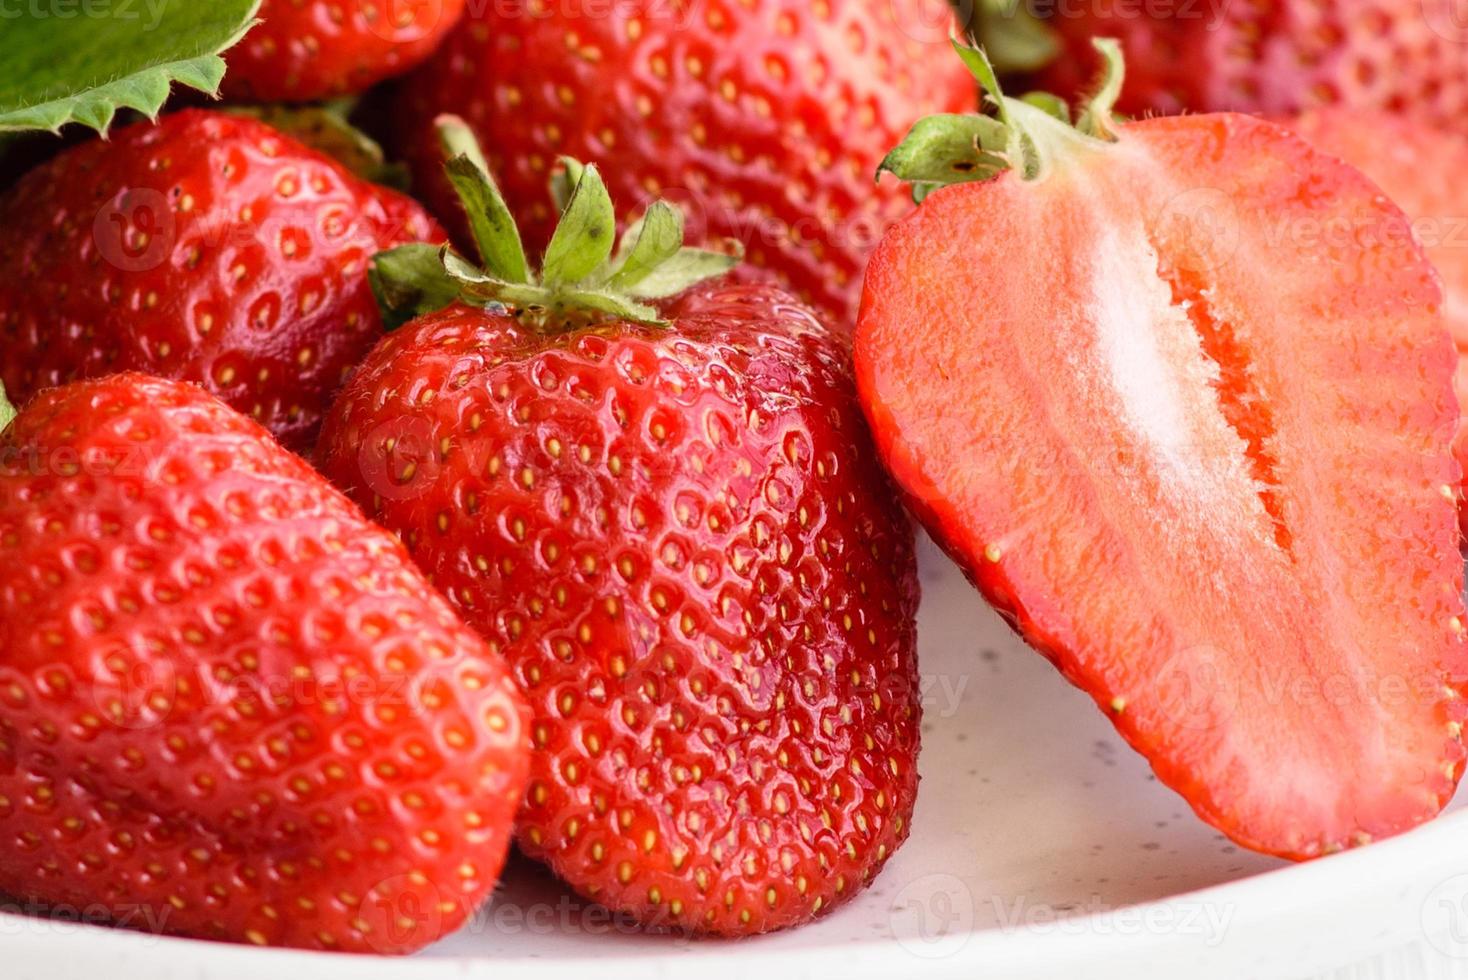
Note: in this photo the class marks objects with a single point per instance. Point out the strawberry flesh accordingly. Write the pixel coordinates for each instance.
(1181, 408)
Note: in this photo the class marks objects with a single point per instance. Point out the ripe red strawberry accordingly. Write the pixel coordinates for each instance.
(764, 120)
(676, 532)
(230, 707)
(306, 50)
(1420, 169)
(1268, 56)
(205, 247)
(1179, 398)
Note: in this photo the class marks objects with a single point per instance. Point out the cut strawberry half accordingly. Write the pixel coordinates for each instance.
(1179, 398)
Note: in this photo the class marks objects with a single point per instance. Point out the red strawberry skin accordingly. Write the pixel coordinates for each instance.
(230, 707)
(307, 50)
(208, 248)
(681, 541)
(1204, 466)
(1420, 167)
(764, 121)
(1275, 57)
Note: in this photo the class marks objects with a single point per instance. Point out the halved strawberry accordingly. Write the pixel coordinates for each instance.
(1179, 397)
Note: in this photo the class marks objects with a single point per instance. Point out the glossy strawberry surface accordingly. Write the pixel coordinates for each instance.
(682, 543)
(306, 50)
(1272, 56)
(764, 121)
(205, 247)
(230, 707)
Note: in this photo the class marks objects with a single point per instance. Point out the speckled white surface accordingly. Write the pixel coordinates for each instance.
(1042, 846)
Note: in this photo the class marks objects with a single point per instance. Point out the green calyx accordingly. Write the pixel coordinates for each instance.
(587, 273)
(1029, 135)
(1015, 39)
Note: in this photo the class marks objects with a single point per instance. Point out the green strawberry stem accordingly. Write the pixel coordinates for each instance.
(586, 274)
(1031, 135)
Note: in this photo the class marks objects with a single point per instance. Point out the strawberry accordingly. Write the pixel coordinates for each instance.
(1268, 56)
(673, 527)
(763, 119)
(306, 50)
(1178, 396)
(205, 247)
(1418, 166)
(230, 707)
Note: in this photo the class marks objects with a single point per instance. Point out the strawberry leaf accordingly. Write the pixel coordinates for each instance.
(83, 68)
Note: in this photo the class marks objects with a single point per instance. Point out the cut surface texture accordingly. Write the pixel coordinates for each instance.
(1182, 408)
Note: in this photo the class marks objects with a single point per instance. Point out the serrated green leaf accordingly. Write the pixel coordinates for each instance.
(411, 281)
(689, 267)
(63, 63)
(583, 239)
(659, 237)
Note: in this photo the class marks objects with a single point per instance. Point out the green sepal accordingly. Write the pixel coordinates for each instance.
(587, 274)
(656, 237)
(949, 149)
(56, 70)
(7, 410)
(1098, 118)
(687, 268)
(583, 239)
(1029, 135)
(1050, 104)
(410, 281)
(564, 181)
(490, 223)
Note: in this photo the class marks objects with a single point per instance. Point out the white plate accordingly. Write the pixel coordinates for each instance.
(1042, 846)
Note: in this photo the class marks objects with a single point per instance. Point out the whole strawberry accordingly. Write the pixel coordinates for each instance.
(306, 50)
(1265, 56)
(205, 247)
(765, 120)
(675, 531)
(230, 707)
